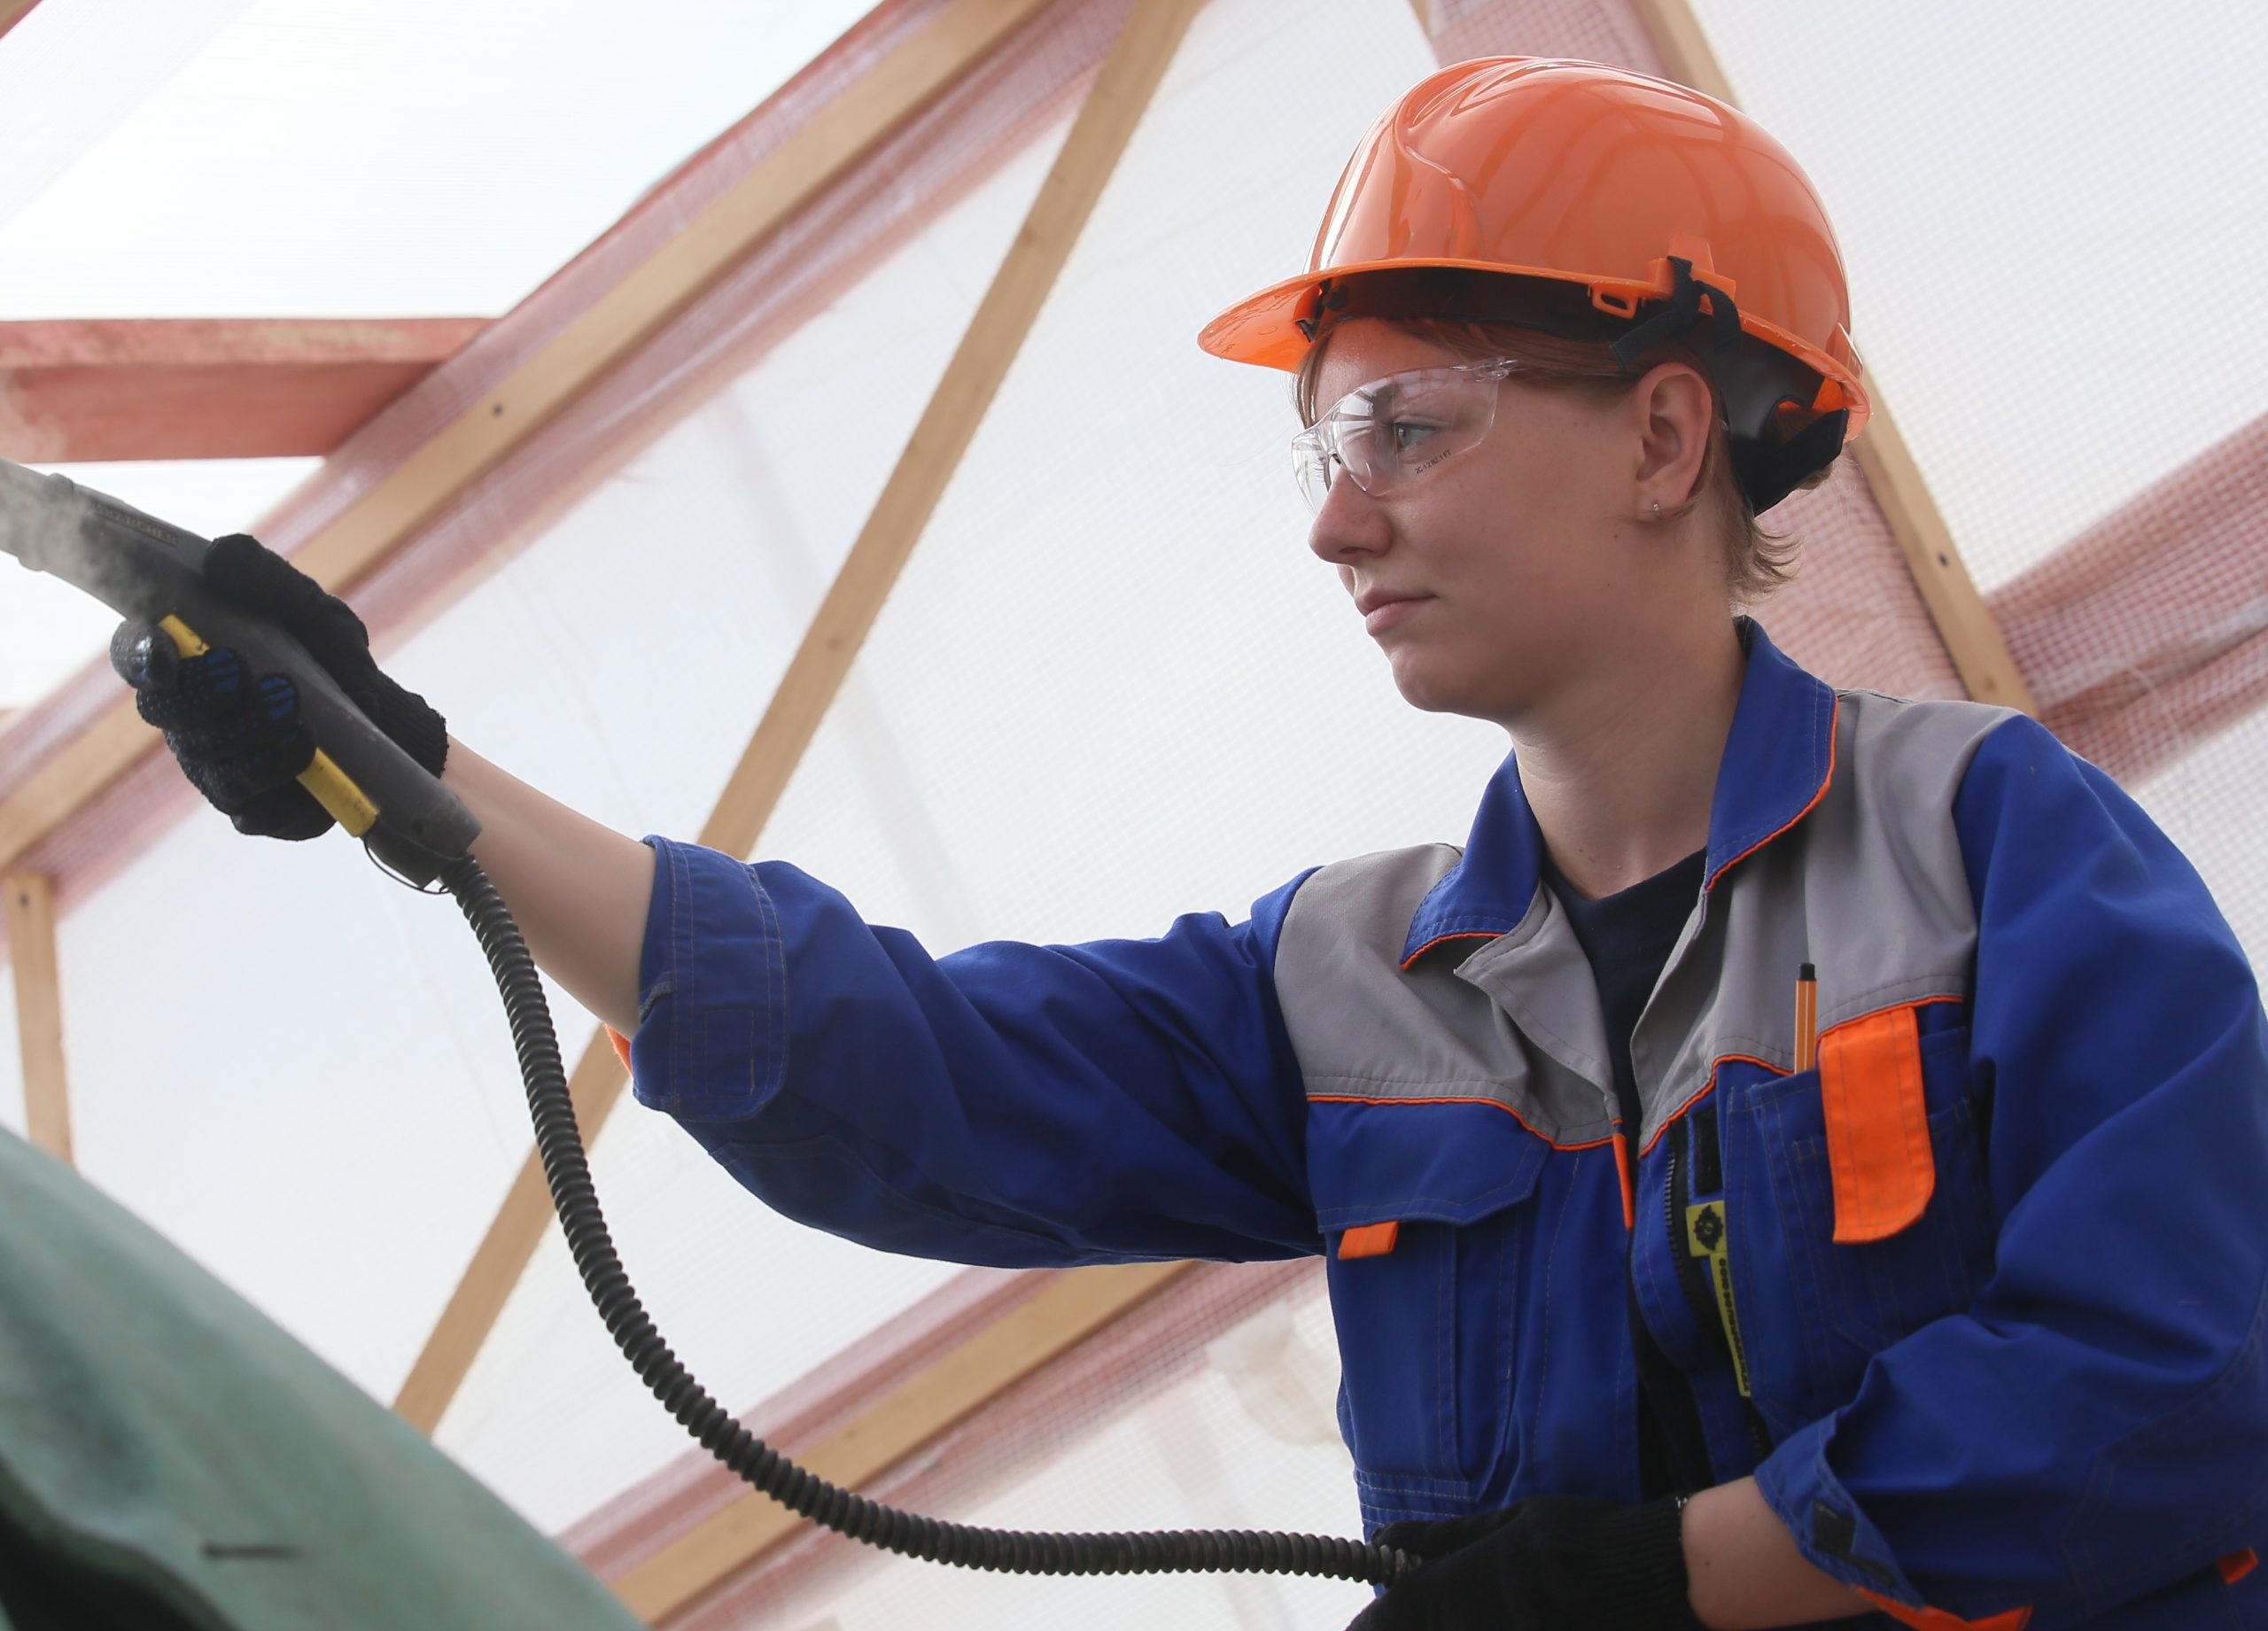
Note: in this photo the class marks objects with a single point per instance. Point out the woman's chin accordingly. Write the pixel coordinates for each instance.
(1438, 688)
(1431, 691)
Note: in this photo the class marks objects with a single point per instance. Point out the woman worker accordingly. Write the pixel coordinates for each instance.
(1802, 1157)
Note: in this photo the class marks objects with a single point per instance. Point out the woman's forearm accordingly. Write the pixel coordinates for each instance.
(578, 890)
(1744, 1571)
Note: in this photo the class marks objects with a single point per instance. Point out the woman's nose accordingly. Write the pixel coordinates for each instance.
(1351, 524)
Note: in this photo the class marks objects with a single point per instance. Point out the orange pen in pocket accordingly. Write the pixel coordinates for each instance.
(1806, 1017)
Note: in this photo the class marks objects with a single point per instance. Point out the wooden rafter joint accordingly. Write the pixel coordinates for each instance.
(198, 388)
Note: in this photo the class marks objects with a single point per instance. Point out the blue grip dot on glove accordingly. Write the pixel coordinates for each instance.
(240, 737)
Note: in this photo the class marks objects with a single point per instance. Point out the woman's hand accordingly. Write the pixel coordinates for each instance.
(1551, 1563)
(238, 736)
(1721, 1560)
(578, 890)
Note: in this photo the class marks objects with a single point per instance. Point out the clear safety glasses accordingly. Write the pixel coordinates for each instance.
(1384, 433)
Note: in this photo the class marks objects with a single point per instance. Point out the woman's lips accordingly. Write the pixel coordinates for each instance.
(1381, 615)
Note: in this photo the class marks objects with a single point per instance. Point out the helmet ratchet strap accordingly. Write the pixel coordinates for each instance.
(1684, 311)
(1754, 383)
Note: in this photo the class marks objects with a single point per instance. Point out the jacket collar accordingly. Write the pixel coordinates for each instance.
(1779, 762)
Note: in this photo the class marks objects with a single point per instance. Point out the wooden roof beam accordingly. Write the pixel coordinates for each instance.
(199, 388)
(13, 11)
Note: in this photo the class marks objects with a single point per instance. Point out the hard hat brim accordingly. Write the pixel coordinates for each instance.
(1263, 328)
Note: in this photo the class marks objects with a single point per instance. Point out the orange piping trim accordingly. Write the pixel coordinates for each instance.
(2236, 1565)
(1834, 717)
(1939, 1619)
(1629, 1183)
(1721, 1060)
(1462, 934)
(1687, 1105)
(1356, 1098)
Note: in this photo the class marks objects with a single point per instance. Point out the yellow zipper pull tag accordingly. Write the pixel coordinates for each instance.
(1706, 1236)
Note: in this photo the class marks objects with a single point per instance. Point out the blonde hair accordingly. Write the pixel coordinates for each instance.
(1757, 561)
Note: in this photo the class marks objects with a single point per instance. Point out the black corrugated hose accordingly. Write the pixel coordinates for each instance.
(567, 1167)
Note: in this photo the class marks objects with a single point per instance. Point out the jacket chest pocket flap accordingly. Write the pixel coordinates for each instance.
(1877, 1215)
(1422, 1207)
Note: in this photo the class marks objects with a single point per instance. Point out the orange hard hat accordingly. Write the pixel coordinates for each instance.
(1551, 179)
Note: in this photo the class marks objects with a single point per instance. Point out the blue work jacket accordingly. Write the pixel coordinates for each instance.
(1978, 1296)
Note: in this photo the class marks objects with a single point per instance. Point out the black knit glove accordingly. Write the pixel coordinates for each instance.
(1549, 1563)
(238, 736)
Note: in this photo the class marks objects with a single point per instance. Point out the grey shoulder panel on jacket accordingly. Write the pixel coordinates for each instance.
(1872, 889)
(1368, 903)
(1899, 766)
(1909, 731)
(1360, 1028)
(1365, 1029)
(1869, 885)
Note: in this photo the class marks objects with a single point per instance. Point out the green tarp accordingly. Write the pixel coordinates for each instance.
(170, 1459)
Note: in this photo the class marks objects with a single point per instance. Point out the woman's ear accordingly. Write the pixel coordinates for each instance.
(1673, 411)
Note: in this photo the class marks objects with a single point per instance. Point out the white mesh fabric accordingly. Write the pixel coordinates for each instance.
(2046, 210)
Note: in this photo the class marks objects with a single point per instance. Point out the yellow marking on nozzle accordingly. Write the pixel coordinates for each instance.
(187, 640)
(1705, 1236)
(336, 792)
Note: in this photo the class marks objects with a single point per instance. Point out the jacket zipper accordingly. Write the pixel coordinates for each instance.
(1689, 1228)
(1692, 1278)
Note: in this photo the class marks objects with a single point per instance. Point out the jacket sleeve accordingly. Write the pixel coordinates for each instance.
(1011, 1105)
(2095, 1426)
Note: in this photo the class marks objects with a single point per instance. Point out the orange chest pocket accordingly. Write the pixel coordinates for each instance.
(1878, 1154)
